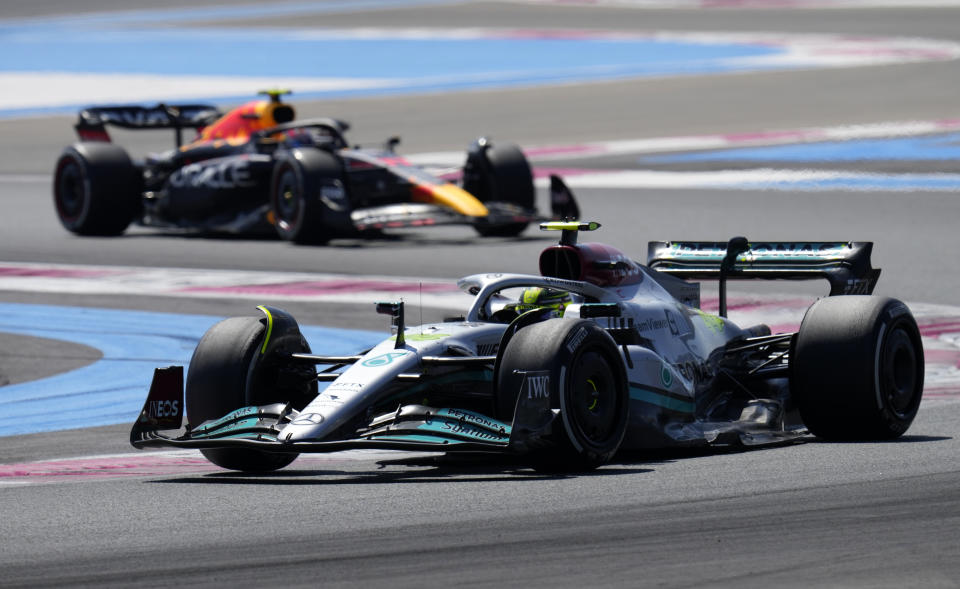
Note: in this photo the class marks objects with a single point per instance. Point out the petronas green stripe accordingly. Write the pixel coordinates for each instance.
(654, 398)
(415, 438)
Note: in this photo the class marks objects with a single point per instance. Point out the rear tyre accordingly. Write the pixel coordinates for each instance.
(499, 174)
(307, 194)
(587, 381)
(96, 189)
(226, 373)
(857, 368)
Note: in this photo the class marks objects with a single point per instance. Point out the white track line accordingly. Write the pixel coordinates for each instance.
(750, 4)
(762, 179)
(681, 143)
(193, 283)
(59, 89)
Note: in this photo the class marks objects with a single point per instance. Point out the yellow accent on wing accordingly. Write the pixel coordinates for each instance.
(275, 93)
(569, 226)
(451, 196)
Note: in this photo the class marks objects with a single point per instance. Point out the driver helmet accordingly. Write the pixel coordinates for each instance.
(538, 297)
(308, 137)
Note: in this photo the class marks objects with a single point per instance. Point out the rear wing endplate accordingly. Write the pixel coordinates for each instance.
(92, 122)
(844, 264)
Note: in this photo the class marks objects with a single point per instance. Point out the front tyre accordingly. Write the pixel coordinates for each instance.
(587, 382)
(307, 196)
(499, 174)
(228, 373)
(857, 368)
(96, 189)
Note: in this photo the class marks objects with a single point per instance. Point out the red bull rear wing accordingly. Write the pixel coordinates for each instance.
(844, 264)
(92, 122)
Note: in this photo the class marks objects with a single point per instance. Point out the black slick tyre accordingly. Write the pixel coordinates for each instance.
(305, 188)
(96, 189)
(226, 374)
(856, 368)
(500, 174)
(587, 382)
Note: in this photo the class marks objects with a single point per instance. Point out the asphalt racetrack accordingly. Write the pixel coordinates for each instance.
(857, 142)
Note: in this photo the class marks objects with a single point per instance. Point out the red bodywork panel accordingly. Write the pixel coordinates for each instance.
(240, 123)
(595, 263)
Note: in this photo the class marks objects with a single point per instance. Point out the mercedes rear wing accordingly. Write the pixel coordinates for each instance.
(92, 122)
(844, 264)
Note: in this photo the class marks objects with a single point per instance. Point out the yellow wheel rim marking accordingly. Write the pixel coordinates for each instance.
(595, 400)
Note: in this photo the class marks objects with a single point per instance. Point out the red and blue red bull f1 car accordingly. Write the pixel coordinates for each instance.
(595, 354)
(258, 169)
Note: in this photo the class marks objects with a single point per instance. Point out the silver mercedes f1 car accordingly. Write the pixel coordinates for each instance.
(597, 353)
